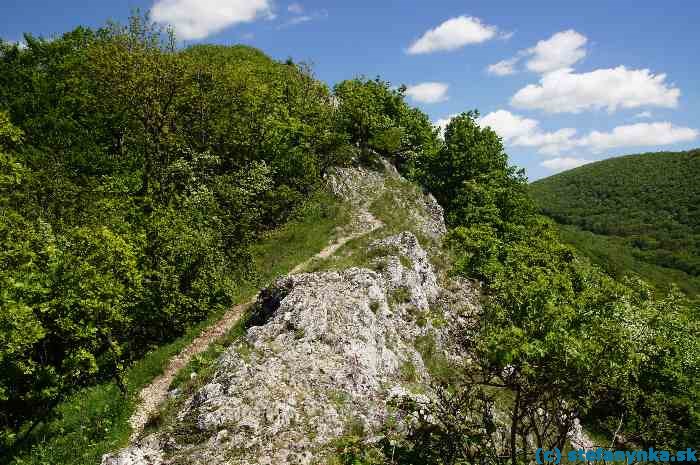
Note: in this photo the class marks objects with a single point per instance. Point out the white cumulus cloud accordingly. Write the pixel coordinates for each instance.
(563, 163)
(639, 135)
(564, 91)
(196, 19)
(509, 126)
(428, 92)
(453, 34)
(550, 143)
(503, 67)
(562, 50)
(643, 114)
(518, 131)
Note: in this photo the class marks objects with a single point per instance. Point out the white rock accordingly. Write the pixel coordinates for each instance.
(328, 353)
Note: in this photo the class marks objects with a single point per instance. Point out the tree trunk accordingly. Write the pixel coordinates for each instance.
(515, 418)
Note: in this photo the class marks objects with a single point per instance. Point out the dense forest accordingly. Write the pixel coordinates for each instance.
(136, 178)
(638, 213)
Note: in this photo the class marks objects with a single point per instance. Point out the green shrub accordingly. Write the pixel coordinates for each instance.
(136, 183)
(400, 295)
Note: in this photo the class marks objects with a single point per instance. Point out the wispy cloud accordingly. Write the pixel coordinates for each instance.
(295, 8)
(503, 68)
(301, 17)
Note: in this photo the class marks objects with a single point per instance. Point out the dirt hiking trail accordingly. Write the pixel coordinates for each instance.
(154, 394)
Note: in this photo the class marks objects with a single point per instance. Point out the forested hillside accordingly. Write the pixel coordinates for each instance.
(136, 180)
(638, 213)
(135, 177)
(145, 187)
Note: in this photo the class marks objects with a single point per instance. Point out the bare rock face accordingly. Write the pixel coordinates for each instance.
(148, 452)
(435, 220)
(356, 185)
(361, 186)
(326, 354)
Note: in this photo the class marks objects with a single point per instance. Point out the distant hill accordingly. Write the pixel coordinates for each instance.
(638, 213)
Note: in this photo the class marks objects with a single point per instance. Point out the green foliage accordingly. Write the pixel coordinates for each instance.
(557, 334)
(456, 428)
(635, 215)
(437, 364)
(135, 179)
(144, 189)
(661, 406)
(645, 207)
(376, 118)
(94, 420)
(616, 257)
(470, 177)
(351, 450)
(400, 295)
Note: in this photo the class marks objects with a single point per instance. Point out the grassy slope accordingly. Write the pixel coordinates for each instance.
(637, 214)
(391, 207)
(95, 420)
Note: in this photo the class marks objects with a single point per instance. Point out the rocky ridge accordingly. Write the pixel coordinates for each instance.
(325, 352)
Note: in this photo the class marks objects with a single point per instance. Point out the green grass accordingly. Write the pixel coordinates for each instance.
(400, 295)
(204, 366)
(391, 207)
(355, 252)
(408, 371)
(284, 248)
(94, 420)
(437, 364)
(340, 399)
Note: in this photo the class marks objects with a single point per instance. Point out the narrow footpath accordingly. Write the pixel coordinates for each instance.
(153, 395)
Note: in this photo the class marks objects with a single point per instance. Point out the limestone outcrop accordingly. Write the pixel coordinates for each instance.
(324, 353)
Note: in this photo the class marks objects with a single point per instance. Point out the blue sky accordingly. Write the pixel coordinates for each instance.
(563, 82)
